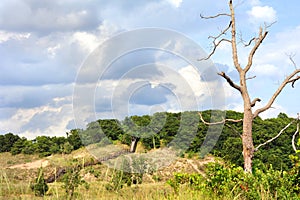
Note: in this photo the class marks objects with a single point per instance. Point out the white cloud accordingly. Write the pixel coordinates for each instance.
(5, 36)
(48, 16)
(52, 50)
(262, 14)
(272, 112)
(191, 75)
(175, 3)
(44, 120)
(88, 41)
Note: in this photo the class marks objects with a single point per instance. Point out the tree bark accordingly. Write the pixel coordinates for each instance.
(247, 140)
(134, 141)
(248, 147)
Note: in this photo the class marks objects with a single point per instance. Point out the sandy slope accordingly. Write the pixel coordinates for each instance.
(31, 165)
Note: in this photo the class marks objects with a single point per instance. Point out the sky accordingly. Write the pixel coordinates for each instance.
(66, 63)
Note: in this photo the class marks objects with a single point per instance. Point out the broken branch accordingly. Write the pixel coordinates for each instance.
(252, 77)
(294, 80)
(254, 101)
(228, 79)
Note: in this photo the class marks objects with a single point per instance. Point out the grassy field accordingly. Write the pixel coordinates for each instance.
(97, 191)
(17, 173)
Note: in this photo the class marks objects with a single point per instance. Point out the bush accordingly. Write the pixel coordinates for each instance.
(119, 180)
(72, 179)
(40, 186)
(232, 182)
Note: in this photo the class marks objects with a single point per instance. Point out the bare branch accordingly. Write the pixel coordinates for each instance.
(289, 79)
(220, 122)
(294, 137)
(250, 41)
(223, 32)
(215, 43)
(244, 42)
(269, 25)
(291, 57)
(270, 140)
(251, 77)
(214, 16)
(239, 3)
(254, 101)
(228, 79)
(214, 48)
(261, 36)
(294, 80)
(233, 120)
(210, 123)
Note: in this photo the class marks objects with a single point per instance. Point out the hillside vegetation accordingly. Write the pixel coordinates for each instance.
(91, 158)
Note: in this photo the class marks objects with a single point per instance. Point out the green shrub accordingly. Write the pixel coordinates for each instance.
(232, 182)
(39, 187)
(119, 180)
(72, 179)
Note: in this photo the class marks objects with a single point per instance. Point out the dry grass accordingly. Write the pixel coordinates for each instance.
(8, 160)
(15, 183)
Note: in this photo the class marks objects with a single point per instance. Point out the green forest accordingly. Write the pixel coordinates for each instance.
(275, 165)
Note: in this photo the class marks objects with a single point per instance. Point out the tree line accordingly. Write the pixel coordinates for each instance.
(160, 130)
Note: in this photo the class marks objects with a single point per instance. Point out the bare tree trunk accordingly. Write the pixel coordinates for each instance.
(134, 141)
(248, 148)
(247, 140)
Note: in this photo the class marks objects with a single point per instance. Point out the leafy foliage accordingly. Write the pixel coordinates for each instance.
(7, 141)
(72, 179)
(40, 186)
(223, 181)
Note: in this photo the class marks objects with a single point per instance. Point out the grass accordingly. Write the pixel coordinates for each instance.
(15, 183)
(7, 160)
(21, 190)
(146, 191)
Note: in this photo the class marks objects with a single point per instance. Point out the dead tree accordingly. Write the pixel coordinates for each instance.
(133, 145)
(242, 86)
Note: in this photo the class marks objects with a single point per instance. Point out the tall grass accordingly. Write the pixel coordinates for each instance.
(15, 184)
(18, 189)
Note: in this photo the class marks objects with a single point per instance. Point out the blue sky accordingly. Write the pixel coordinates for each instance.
(44, 45)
